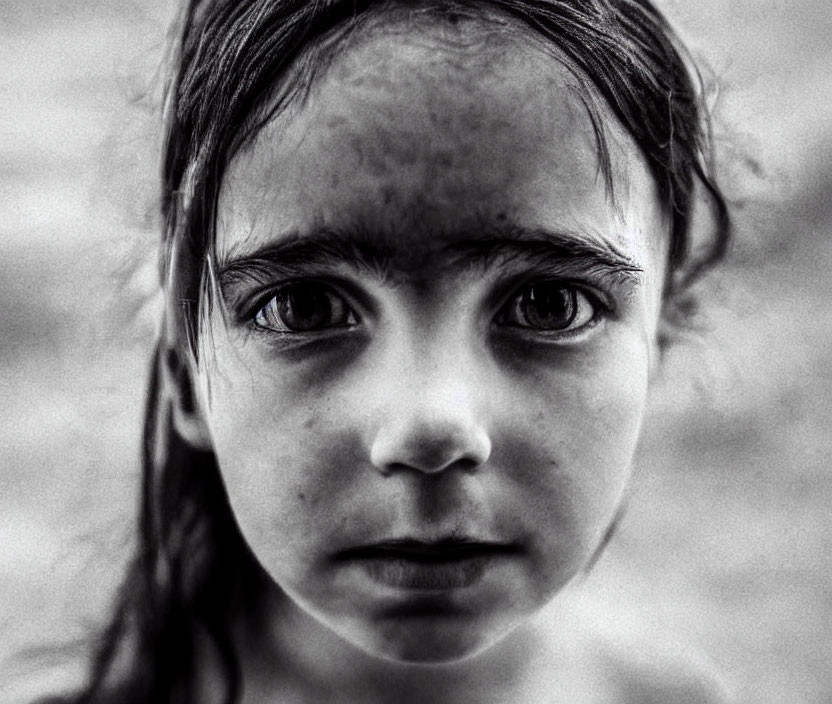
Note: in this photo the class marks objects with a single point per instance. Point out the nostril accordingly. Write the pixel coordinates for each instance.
(430, 448)
(467, 464)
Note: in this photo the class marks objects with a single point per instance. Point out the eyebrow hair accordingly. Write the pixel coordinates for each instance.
(542, 243)
(376, 254)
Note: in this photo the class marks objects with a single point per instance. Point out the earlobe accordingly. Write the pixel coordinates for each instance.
(186, 413)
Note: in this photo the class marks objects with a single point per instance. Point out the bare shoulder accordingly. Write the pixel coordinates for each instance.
(603, 655)
(653, 668)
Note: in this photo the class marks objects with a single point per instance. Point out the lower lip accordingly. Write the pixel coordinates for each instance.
(428, 576)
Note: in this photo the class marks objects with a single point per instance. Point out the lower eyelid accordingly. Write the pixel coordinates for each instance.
(531, 336)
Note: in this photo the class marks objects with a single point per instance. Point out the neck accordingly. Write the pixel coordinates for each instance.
(284, 651)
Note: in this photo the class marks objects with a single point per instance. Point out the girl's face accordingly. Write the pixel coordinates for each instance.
(428, 388)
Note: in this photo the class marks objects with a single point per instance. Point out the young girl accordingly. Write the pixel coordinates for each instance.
(420, 259)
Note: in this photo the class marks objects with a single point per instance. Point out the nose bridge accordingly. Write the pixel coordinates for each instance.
(431, 415)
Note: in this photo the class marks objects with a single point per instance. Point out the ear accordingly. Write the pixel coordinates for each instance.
(186, 413)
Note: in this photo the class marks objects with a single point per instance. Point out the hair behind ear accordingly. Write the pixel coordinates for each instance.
(178, 594)
(191, 552)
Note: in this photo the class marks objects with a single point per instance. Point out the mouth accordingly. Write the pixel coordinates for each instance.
(447, 550)
(427, 566)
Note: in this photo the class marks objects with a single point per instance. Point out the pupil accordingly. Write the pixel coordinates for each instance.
(550, 306)
(304, 309)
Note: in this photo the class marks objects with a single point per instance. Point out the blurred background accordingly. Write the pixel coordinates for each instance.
(728, 540)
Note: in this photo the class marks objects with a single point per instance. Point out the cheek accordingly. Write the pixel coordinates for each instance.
(283, 461)
(563, 425)
(570, 442)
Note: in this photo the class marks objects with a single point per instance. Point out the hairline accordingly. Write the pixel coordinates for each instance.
(317, 54)
(314, 64)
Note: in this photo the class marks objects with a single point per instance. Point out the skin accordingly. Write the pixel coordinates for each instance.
(431, 409)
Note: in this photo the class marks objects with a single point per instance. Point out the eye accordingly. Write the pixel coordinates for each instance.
(305, 307)
(549, 306)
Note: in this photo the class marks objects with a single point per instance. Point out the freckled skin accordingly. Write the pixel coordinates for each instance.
(423, 423)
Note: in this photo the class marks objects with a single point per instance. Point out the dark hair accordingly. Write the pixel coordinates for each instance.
(235, 64)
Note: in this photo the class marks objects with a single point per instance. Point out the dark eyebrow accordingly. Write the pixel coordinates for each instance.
(547, 245)
(296, 252)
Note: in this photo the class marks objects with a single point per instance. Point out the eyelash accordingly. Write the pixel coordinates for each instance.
(586, 306)
(514, 306)
(338, 306)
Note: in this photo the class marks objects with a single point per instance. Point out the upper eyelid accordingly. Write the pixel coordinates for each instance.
(246, 305)
(588, 296)
(269, 297)
(602, 312)
(599, 283)
(513, 287)
(252, 308)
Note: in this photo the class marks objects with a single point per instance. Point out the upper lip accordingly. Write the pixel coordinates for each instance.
(447, 549)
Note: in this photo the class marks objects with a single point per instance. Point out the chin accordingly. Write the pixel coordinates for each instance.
(431, 641)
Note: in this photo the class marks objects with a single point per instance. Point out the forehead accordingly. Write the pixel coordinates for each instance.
(419, 134)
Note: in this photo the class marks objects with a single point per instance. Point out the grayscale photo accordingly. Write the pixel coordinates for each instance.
(416, 351)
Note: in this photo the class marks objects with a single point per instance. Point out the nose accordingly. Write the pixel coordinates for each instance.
(430, 424)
